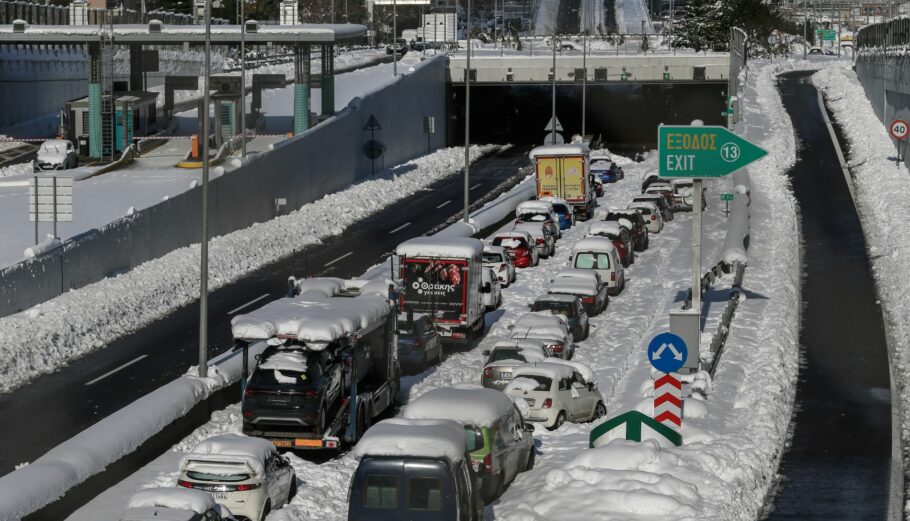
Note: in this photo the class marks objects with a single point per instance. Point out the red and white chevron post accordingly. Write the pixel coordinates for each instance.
(668, 400)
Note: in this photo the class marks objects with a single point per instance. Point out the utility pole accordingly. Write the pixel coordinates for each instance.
(394, 38)
(553, 131)
(584, 83)
(805, 30)
(242, 81)
(204, 243)
(467, 121)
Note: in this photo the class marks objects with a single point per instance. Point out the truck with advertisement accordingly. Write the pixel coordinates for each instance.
(331, 366)
(562, 171)
(441, 277)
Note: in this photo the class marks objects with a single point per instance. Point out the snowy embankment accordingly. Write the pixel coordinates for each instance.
(629, 17)
(48, 336)
(880, 191)
(545, 17)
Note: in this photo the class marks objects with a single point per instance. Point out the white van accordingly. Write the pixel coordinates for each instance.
(598, 253)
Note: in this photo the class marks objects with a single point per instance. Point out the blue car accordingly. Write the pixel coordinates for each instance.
(563, 212)
(607, 171)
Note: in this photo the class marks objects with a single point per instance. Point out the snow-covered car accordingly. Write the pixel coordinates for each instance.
(684, 195)
(544, 239)
(500, 443)
(418, 342)
(563, 211)
(174, 504)
(549, 328)
(584, 284)
(619, 234)
(557, 392)
(245, 474)
(415, 470)
(520, 247)
(652, 179)
(490, 289)
(55, 154)
(539, 212)
(664, 190)
(639, 230)
(651, 213)
(599, 254)
(816, 51)
(665, 205)
(568, 306)
(498, 259)
(508, 354)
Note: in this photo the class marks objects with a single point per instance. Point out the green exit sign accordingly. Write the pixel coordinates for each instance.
(702, 151)
(726, 196)
(827, 35)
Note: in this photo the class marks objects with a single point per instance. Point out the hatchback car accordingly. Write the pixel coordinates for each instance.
(568, 306)
(490, 289)
(666, 210)
(563, 211)
(590, 289)
(498, 259)
(419, 344)
(598, 254)
(557, 393)
(520, 246)
(543, 237)
(639, 231)
(174, 504)
(245, 474)
(508, 354)
(651, 214)
(539, 212)
(551, 329)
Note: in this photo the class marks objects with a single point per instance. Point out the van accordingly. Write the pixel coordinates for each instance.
(598, 253)
(415, 470)
(500, 443)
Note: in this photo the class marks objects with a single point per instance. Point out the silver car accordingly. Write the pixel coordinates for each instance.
(506, 355)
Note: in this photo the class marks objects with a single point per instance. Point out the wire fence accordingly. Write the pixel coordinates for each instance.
(893, 35)
(41, 14)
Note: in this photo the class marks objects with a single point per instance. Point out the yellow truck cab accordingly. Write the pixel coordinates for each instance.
(562, 171)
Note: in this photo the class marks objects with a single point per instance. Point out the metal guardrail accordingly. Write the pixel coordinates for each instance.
(884, 36)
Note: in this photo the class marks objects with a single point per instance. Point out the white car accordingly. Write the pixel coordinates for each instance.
(539, 212)
(557, 391)
(599, 254)
(174, 504)
(497, 259)
(55, 154)
(245, 474)
(651, 213)
(505, 356)
(491, 290)
(552, 329)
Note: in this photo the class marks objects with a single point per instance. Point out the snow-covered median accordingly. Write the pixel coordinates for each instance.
(48, 336)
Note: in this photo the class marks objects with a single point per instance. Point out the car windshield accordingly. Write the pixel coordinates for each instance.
(543, 382)
(285, 375)
(499, 355)
(534, 217)
(560, 209)
(557, 308)
(492, 257)
(50, 148)
(222, 478)
(600, 261)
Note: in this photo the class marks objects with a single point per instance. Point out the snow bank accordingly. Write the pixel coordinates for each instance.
(48, 244)
(492, 212)
(414, 438)
(476, 407)
(177, 498)
(43, 338)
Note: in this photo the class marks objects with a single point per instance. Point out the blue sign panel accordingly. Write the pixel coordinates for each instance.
(667, 352)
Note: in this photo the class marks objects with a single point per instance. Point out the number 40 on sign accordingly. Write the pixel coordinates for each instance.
(899, 130)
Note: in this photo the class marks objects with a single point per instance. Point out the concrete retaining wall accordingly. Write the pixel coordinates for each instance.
(323, 160)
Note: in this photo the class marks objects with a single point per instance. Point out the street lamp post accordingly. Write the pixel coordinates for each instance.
(467, 121)
(394, 38)
(242, 81)
(584, 83)
(204, 243)
(553, 119)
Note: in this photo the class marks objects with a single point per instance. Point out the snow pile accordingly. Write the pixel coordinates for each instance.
(413, 438)
(476, 407)
(285, 361)
(177, 498)
(18, 169)
(47, 336)
(48, 244)
(432, 247)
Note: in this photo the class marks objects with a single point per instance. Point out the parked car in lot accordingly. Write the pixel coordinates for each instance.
(539, 212)
(415, 470)
(619, 234)
(245, 474)
(557, 392)
(419, 344)
(520, 247)
(174, 504)
(490, 289)
(598, 253)
(568, 306)
(651, 214)
(498, 259)
(55, 154)
(666, 209)
(544, 239)
(585, 285)
(639, 229)
(506, 355)
(563, 211)
(551, 329)
(500, 443)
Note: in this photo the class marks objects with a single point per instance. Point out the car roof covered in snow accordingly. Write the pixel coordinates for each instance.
(604, 227)
(534, 229)
(320, 286)
(414, 438)
(176, 498)
(594, 244)
(646, 197)
(432, 247)
(514, 234)
(522, 345)
(534, 207)
(232, 448)
(577, 274)
(476, 407)
(584, 370)
(316, 322)
(625, 223)
(573, 287)
(556, 297)
(534, 319)
(548, 369)
(600, 154)
(651, 207)
(560, 150)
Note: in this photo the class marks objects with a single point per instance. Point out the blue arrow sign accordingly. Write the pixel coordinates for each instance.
(667, 352)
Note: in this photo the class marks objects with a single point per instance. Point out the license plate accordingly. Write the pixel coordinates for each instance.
(505, 376)
(282, 443)
(303, 442)
(278, 401)
(219, 495)
(530, 401)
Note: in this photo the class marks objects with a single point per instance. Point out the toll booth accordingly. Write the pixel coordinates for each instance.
(134, 115)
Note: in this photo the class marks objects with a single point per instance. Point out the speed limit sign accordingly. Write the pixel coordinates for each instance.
(899, 129)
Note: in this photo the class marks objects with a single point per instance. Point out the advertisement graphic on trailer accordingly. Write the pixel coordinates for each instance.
(436, 286)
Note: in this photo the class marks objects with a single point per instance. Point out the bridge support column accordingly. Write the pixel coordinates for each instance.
(302, 64)
(328, 79)
(136, 67)
(94, 101)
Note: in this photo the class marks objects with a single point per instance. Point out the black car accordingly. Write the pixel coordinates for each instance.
(639, 231)
(399, 47)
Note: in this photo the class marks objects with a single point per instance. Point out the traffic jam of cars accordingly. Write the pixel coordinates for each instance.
(337, 349)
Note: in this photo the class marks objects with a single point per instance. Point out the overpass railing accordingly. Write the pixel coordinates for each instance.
(41, 14)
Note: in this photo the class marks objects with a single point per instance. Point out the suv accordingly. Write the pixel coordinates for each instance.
(568, 306)
(639, 231)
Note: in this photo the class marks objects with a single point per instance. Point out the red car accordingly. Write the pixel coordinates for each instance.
(520, 246)
(618, 235)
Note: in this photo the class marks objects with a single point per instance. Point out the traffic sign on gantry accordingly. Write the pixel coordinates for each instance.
(702, 151)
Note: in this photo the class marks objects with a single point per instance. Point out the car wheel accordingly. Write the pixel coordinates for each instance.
(587, 330)
(560, 419)
(266, 509)
(439, 354)
(292, 492)
(500, 485)
(532, 456)
(600, 410)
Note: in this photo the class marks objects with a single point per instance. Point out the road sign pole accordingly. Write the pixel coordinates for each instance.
(54, 203)
(668, 404)
(36, 209)
(696, 247)
(553, 139)
(467, 122)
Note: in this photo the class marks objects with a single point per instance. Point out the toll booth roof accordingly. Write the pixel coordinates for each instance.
(137, 98)
(176, 34)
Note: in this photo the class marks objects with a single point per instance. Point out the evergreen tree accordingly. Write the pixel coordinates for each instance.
(705, 26)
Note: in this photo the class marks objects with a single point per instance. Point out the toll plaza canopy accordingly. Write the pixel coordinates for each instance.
(156, 33)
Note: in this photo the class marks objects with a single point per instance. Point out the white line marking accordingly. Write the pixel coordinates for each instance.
(443, 204)
(840, 155)
(515, 161)
(112, 371)
(475, 186)
(402, 227)
(250, 303)
(345, 256)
